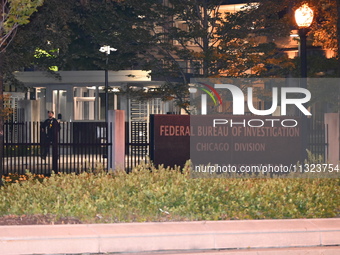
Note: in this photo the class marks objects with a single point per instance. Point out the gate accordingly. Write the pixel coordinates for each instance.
(82, 146)
(136, 144)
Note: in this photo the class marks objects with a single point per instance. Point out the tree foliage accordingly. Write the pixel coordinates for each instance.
(74, 32)
(177, 40)
(13, 14)
(200, 39)
(174, 40)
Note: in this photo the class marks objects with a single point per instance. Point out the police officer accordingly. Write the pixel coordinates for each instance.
(49, 133)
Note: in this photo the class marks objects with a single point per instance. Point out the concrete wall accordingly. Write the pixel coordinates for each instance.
(333, 122)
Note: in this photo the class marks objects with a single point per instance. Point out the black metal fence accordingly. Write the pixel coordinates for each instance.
(84, 146)
(81, 146)
(318, 140)
(136, 144)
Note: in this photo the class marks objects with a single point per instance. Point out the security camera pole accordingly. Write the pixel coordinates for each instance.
(106, 49)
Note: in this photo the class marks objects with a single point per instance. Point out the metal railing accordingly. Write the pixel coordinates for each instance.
(81, 146)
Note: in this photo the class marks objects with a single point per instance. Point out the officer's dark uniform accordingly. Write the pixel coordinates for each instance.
(49, 135)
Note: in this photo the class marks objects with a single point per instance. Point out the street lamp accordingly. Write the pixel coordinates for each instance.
(304, 18)
(107, 50)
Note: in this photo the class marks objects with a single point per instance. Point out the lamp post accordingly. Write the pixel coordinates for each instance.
(107, 50)
(304, 18)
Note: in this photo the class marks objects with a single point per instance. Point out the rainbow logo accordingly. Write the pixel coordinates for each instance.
(216, 98)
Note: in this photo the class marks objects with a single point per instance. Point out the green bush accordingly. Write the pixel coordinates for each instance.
(150, 194)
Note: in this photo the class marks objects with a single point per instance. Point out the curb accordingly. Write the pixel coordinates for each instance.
(169, 236)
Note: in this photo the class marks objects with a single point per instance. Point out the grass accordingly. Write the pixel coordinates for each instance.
(168, 195)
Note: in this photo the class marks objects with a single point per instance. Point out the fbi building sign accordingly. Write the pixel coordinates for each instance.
(260, 127)
(225, 139)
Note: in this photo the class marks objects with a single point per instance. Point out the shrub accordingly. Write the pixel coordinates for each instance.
(160, 194)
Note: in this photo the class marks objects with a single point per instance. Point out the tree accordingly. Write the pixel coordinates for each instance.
(175, 39)
(73, 33)
(181, 41)
(13, 14)
(198, 39)
(325, 34)
(275, 19)
(325, 29)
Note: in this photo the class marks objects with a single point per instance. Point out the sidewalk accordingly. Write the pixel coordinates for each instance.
(249, 237)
